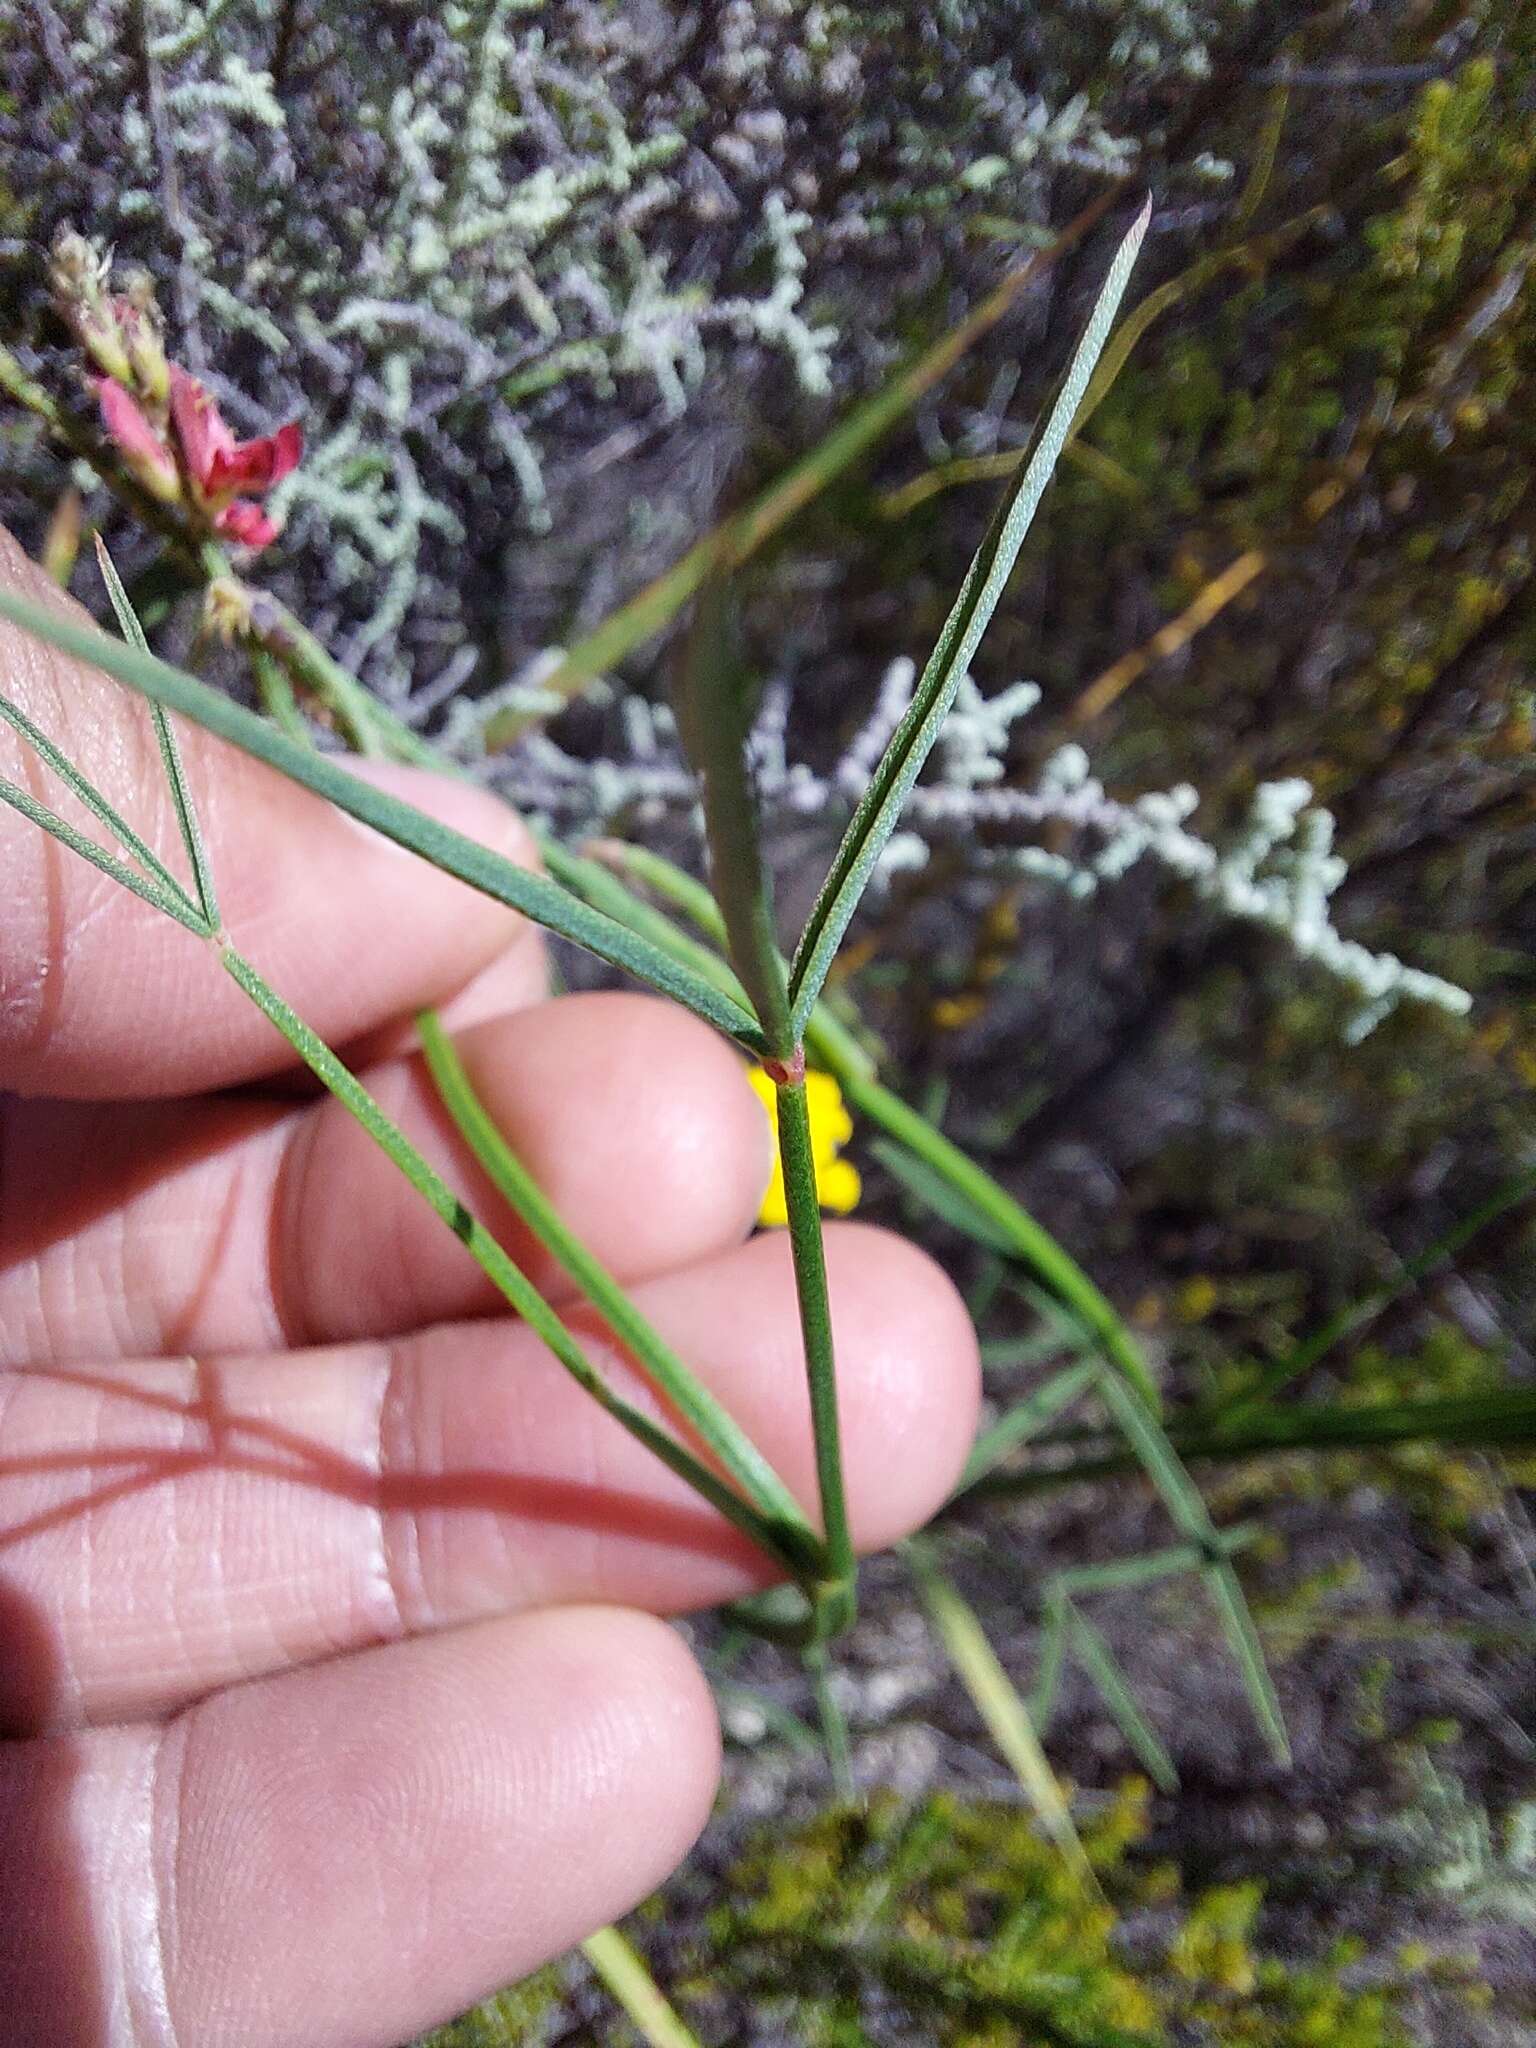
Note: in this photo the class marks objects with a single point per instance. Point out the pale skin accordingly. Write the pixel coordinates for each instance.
(332, 1684)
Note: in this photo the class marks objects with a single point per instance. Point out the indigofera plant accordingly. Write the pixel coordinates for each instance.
(767, 1013)
(714, 948)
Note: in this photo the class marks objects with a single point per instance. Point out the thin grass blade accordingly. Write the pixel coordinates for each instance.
(879, 810)
(719, 1431)
(182, 908)
(622, 1971)
(1186, 1505)
(545, 902)
(1099, 1661)
(170, 750)
(154, 868)
(1000, 1706)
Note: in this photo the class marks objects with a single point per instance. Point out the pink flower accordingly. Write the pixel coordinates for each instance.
(141, 447)
(247, 524)
(220, 467)
(222, 475)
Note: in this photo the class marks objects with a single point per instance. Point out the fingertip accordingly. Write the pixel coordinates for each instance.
(380, 1841)
(571, 1078)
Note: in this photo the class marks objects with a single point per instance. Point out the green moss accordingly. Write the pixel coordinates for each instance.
(953, 1923)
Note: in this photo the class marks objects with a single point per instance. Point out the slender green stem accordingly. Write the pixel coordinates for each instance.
(798, 1546)
(834, 1722)
(836, 1049)
(622, 1971)
(810, 1261)
(492, 1260)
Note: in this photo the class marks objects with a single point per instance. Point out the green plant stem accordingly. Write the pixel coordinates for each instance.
(621, 1970)
(798, 1547)
(1502, 1420)
(510, 1282)
(835, 1049)
(834, 1722)
(809, 1254)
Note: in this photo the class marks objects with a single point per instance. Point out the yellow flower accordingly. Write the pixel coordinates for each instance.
(837, 1180)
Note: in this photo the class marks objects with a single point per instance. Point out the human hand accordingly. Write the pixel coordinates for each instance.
(328, 1666)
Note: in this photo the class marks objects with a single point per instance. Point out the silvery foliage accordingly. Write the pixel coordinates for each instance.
(1277, 870)
(491, 250)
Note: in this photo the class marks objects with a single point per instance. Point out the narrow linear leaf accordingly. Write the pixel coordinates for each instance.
(622, 1971)
(129, 840)
(179, 907)
(717, 1429)
(712, 695)
(1025, 1420)
(545, 902)
(1053, 1656)
(170, 750)
(1099, 1661)
(936, 1194)
(748, 530)
(1127, 1574)
(879, 810)
(513, 1284)
(997, 1700)
(1186, 1505)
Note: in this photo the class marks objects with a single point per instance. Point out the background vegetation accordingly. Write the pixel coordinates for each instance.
(554, 287)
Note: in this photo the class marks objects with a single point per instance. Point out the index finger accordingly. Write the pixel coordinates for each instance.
(101, 996)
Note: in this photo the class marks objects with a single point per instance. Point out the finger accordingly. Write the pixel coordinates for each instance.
(102, 996)
(343, 1857)
(301, 1505)
(216, 1227)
